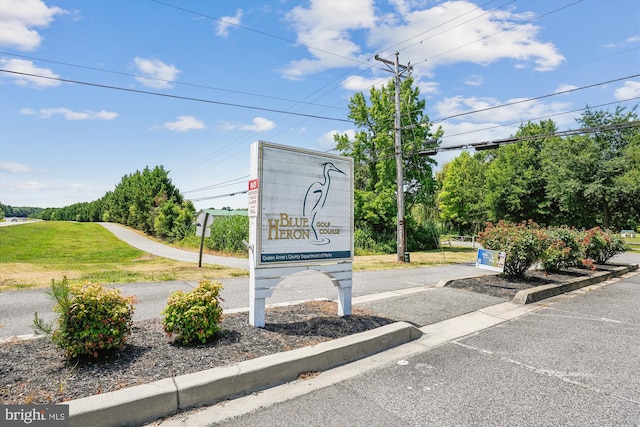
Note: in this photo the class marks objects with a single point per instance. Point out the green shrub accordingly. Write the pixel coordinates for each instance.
(227, 234)
(92, 321)
(422, 236)
(600, 245)
(561, 248)
(523, 244)
(194, 316)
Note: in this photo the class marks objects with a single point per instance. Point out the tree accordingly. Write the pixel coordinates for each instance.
(514, 181)
(591, 177)
(461, 194)
(373, 151)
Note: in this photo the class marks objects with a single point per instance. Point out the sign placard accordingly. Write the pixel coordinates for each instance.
(491, 260)
(300, 218)
(305, 206)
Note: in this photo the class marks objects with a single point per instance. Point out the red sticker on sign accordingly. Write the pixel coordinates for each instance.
(253, 184)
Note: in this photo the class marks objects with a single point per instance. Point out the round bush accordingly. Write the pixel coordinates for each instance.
(194, 316)
(561, 248)
(523, 244)
(93, 320)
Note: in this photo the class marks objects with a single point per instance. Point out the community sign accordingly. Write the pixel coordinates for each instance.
(302, 204)
(491, 260)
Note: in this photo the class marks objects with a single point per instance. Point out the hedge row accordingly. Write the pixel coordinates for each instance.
(555, 248)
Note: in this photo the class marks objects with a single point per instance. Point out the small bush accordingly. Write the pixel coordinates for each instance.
(561, 249)
(523, 244)
(600, 245)
(194, 316)
(93, 320)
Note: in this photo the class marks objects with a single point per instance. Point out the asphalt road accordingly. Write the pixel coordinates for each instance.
(573, 362)
(17, 307)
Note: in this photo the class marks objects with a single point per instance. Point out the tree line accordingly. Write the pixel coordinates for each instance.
(145, 200)
(583, 181)
(586, 180)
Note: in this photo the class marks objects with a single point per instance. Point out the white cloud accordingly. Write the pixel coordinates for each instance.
(258, 124)
(24, 66)
(15, 167)
(362, 84)
(462, 32)
(185, 123)
(19, 17)
(564, 88)
(484, 38)
(328, 26)
(464, 109)
(327, 142)
(222, 26)
(156, 73)
(474, 80)
(46, 113)
(630, 89)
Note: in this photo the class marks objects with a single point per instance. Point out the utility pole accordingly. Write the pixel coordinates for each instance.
(398, 70)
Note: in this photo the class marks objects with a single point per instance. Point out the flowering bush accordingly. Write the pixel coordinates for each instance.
(600, 245)
(93, 319)
(561, 249)
(523, 244)
(194, 316)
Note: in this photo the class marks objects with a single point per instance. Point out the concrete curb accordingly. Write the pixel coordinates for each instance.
(538, 293)
(148, 402)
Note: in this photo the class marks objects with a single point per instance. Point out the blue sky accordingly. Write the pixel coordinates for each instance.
(190, 84)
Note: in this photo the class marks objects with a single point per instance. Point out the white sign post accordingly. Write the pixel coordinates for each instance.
(300, 218)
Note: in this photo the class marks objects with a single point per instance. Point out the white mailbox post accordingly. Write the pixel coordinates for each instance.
(300, 218)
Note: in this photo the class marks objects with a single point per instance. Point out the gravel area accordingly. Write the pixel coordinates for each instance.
(37, 372)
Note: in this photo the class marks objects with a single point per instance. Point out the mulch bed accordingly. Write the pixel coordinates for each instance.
(36, 371)
(502, 287)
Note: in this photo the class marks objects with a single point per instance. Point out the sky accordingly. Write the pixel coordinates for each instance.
(93, 90)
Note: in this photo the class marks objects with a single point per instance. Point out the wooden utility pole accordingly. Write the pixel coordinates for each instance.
(398, 70)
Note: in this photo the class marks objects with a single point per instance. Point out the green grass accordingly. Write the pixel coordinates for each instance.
(63, 243)
(634, 243)
(31, 255)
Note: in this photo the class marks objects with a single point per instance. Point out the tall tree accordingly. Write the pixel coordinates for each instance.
(515, 184)
(373, 151)
(461, 193)
(590, 177)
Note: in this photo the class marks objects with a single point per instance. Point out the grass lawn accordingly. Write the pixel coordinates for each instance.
(33, 254)
(634, 243)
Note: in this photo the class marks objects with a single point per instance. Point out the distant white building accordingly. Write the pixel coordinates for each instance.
(628, 233)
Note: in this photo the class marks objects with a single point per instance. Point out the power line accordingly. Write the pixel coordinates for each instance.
(176, 82)
(490, 145)
(219, 196)
(541, 117)
(536, 98)
(166, 95)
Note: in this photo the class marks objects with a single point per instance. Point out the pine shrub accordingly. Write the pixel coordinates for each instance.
(92, 321)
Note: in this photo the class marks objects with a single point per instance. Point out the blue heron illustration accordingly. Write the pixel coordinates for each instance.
(316, 197)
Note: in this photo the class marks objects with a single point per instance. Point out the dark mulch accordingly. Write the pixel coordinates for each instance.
(502, 287)
(37, 372)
